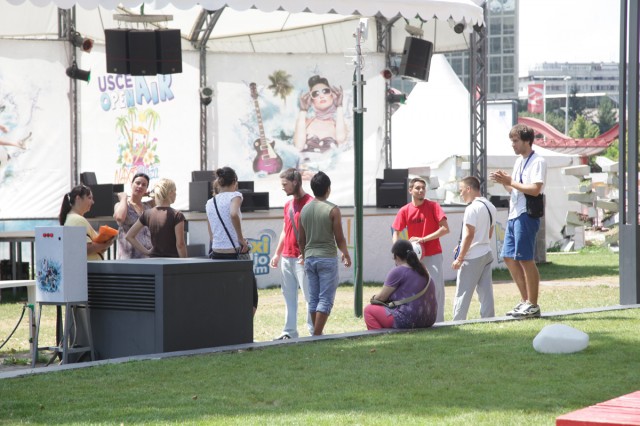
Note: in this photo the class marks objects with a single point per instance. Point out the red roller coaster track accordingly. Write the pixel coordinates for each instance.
(548, 137)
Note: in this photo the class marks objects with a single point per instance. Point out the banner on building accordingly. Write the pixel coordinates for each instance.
(536, 98)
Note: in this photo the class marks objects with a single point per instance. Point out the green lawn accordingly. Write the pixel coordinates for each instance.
(481, 374)
(472, 374)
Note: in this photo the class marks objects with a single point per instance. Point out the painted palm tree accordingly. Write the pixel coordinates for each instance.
(124, 124)
(280, 84)
(148, 118)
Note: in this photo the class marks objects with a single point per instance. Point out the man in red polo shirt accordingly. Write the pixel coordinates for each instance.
(426, 223)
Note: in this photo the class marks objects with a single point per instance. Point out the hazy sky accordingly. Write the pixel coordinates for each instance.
(568, 31)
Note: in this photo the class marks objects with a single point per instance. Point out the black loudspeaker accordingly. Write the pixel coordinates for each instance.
(247, 185)
(203, 176)
(88, 178)
(169, 51)
(142, 52)
(117, 50)
(199, 194)
(105, 196)
(416, 58)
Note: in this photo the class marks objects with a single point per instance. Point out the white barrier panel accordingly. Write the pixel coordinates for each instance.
(61, 264)
(262, 229)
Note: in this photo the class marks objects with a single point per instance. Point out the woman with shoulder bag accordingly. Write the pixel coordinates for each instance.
(407, 298)
(225, 222)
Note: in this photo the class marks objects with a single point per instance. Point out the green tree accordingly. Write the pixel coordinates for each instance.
(613, 152)
(583, 128)
(606, 115)
(577, 104)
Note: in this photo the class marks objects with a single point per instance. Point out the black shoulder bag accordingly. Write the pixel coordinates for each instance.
(535, 204)
(240, 256)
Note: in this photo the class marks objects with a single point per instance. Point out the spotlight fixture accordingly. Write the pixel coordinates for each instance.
(458, 27)
(394, 96)
(78, 74)
(206, 94)
(86, 44)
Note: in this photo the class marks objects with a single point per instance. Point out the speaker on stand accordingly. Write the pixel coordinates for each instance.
(169, 49)
(117, 50)
(416, 58)
(142, 52)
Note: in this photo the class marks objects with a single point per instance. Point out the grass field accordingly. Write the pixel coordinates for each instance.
(481, 374)
(593, 265)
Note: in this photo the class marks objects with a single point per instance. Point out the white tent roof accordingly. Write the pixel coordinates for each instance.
(427, 9)
(249, 30)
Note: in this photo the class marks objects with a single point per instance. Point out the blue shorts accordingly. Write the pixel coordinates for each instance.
(520, 238)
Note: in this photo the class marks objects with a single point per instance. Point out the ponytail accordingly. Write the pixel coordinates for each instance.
(69, 200)
(402, 249)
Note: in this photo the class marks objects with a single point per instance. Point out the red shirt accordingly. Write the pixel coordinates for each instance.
(290, 246)
(421, 221)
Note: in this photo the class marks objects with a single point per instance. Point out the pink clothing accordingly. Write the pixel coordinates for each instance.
(290, 244)
(376, 317)
(421, 221)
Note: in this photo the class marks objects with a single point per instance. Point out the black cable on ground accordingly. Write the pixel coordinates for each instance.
(24, 308)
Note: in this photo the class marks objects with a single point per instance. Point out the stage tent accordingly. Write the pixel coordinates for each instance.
(432, 130)
(237, 30)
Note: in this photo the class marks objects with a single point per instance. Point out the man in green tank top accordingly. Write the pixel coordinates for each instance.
(320, 232)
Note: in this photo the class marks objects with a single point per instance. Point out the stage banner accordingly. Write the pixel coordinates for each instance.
(273, 112)
(34, 129)
(536, 99)
(141, 124)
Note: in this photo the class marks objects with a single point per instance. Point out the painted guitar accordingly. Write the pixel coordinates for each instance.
(266, 158)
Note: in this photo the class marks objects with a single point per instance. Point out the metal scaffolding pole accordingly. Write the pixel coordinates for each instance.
(66, 25)
(199, 37)
(478, 103)
(629, 232)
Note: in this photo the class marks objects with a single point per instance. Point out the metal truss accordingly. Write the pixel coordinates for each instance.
(478, 82)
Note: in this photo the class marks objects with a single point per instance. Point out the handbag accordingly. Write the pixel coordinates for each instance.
(395, 303)
(535, 205)
(239, 256)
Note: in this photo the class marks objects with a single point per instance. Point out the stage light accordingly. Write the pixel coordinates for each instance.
(86, 44)
(394, 96)
(206, 94)
(78, 74)
(458, 27)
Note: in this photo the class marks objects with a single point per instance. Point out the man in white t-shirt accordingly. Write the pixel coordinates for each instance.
(474, 253)
(527, 179)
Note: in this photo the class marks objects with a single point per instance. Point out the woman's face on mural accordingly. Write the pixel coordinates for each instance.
(321, 96)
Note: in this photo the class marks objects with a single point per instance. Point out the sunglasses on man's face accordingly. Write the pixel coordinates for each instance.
(317, 93)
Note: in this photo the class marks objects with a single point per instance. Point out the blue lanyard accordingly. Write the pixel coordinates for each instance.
(525, 165)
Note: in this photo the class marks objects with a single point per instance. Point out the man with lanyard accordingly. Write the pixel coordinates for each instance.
(474, 253)
(528, 176)
(426, 223)
(293, 275)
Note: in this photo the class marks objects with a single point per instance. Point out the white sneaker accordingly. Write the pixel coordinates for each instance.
(516, 308)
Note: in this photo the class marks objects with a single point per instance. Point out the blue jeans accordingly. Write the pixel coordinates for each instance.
(322, 273)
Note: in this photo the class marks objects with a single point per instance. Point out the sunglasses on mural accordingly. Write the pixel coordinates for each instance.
(317, 93)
